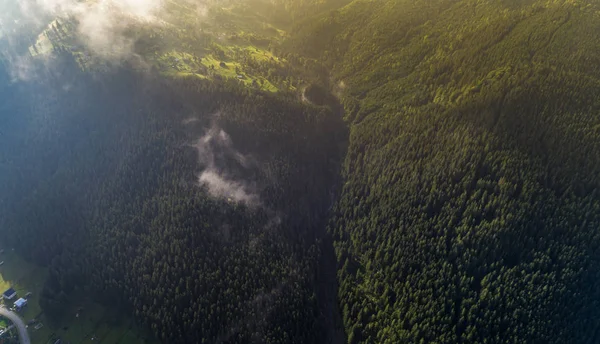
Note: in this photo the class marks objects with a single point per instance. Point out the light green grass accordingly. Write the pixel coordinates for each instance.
(182, 64)
(182, 61)
(229, 71)
(23, 277)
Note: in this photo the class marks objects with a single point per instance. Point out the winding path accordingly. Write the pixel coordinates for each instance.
(19, 324)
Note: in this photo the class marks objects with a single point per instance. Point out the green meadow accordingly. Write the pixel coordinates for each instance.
(84, 322)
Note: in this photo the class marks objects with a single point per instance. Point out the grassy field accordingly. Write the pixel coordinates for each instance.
(178, 63)
(184, 45)
(94, 324)
(23, 277)
(86, 322)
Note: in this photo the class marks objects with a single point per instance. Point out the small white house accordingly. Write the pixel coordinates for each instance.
(20, 303)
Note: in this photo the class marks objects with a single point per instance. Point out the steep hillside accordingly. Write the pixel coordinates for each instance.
(470, 211)
(157, 158)
(167, 199)
(168, 167)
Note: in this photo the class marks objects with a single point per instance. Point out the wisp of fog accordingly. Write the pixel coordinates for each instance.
(217, 180)
(101, 25)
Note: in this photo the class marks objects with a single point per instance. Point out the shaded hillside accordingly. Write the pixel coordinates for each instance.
(168, 199)
(470, 209)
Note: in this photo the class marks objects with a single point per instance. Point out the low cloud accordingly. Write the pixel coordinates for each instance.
(219, 186)
(106, 28)
(21, 67)
(102, 25)
(216, 153)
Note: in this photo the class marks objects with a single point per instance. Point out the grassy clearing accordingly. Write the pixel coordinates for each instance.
(94, 321)
(94, 324)
(182, 64)
(234, 70)
(23, 277)
(225, 69)
(180, 61)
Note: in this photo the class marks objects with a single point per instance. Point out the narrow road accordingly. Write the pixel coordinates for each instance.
(19, 324)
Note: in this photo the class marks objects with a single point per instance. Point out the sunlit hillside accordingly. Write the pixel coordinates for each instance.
(208, 40)
(304, 171)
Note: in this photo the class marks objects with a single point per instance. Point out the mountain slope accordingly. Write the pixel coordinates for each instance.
(167, 199)
(470, 209)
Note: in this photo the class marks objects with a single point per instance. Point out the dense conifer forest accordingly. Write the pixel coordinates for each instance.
(470, 210)
(111, 202)
(426, 172)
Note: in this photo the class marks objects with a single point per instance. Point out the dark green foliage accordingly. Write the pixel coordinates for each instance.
(470, 210)
(104, 190)
(286, 12)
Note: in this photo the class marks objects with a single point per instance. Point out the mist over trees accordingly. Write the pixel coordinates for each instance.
(106, 193)
(427, 172)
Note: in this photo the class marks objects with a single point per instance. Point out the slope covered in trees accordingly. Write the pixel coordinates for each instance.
(470, 210)
(170, 199)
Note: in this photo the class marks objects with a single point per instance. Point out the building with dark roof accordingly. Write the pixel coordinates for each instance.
(9, 294)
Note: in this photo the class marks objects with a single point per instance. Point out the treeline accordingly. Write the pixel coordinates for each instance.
(100, 183)
(470, 208)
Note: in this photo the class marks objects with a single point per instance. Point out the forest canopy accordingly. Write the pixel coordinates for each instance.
(360, 171)
(470, 209)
